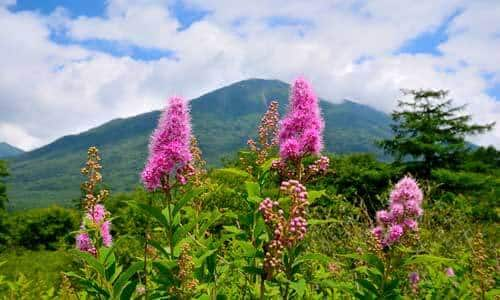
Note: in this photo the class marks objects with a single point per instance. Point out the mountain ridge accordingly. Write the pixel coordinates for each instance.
(223, 120)
(7, 150)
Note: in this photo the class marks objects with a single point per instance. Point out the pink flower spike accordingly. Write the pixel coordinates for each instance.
(107, 239)
(84, 244)
(169, 149)
(384, 217)
(301, 129)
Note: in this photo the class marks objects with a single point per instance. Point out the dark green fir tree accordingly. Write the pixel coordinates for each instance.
(429, 132)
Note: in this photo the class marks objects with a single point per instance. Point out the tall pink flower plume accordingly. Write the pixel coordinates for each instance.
(301, 129)
(404, 209)
(169, 148)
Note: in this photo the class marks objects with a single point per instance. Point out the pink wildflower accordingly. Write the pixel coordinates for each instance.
(84, 244)
(96, 213)
(169, 149)
(107, 239)
(301, 130)
(406, 190)
(405, 207)
(395, 232)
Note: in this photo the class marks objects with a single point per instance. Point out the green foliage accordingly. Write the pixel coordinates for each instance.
(103, 277)
(29, 274)
(43, 228)
(430, 131)
(3, 188)
(361, 179)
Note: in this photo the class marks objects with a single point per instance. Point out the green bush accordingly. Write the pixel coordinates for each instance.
(43, 228)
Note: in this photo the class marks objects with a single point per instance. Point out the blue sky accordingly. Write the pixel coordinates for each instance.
(81, 63)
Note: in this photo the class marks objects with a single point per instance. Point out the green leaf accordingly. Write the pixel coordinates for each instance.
(121, 282)
(90, 285)
(201, 259)
(367, 285)
(267, 164)
(155, 213)
(313, 195)
(373, 260)
(252, 189)
(128, 290)
(158, 247)
(299, 287)
(234, 172)
(319, 222)
(253, 270)
(427, 259)
(314, 257)
(93, 262)
(233, 229)
(184, 199)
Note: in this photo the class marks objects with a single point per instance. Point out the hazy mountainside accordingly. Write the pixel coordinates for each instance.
(223, 120)
(7, 150)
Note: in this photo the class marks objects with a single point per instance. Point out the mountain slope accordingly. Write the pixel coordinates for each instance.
(223, 120)
(7, 150)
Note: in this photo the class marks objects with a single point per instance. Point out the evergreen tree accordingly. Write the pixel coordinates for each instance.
(3, 189)
(429, 132)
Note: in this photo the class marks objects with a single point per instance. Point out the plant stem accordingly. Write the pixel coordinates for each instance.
(262, 287)
(168, 196)
(146, 238)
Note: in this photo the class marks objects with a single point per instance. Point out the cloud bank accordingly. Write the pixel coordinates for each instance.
(64, 73)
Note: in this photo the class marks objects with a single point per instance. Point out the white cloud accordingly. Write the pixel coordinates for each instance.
(50, 90)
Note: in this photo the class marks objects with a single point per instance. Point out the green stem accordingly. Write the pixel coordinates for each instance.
(146, 238)
(262, 287)
(168, 198)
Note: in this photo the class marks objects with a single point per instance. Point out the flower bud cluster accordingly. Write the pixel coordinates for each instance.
(96, 216)
(185, 275)
(268, 134)
(319, 167)
(287, 170)
(414, 279)
(404, 209)
(287, 231)
(198, 163)
(184, 173)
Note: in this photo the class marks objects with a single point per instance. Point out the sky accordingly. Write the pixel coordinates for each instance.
(67, 66)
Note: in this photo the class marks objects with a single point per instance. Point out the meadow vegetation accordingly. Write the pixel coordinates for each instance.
(280, 220)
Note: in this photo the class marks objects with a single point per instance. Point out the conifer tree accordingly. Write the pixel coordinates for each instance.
(429, 131)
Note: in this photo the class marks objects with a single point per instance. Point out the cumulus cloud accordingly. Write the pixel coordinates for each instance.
(349, 49)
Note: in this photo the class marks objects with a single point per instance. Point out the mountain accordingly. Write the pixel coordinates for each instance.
(223, 120)
(7, 150)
